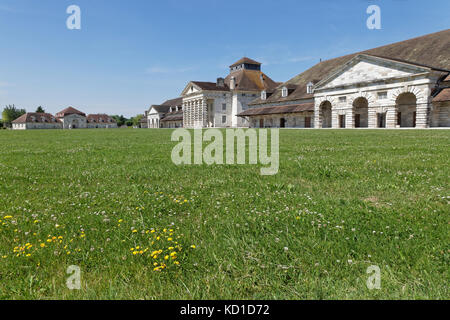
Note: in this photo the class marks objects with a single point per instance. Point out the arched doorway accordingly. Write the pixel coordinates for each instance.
(325, 114)
(406, 108)
(75, 124)
(361, 113)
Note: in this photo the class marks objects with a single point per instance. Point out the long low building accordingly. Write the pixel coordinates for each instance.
(400, 85)
(405, 84)
(69, 118)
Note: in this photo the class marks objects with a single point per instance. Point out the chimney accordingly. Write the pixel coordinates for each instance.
(232, 83)
(220, 82)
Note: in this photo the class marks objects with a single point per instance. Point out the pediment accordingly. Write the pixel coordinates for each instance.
(365, 68)
(190, 89)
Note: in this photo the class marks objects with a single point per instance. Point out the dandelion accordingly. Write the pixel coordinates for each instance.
(193, 246)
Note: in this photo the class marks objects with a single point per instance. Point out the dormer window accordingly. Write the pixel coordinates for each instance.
(263, 95)
(309, 88)
(284, 92)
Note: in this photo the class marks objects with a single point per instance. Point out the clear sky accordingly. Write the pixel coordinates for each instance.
(130, 54)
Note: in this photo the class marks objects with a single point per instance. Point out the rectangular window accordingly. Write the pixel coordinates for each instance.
(382, 95)
(307, 122)
(243, 94)
(342, 121)
(224, 107)
(224, 119)
(342, 99)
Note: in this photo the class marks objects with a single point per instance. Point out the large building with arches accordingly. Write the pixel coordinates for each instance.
(401, 85)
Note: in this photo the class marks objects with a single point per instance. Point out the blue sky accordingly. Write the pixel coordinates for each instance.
(131, 54)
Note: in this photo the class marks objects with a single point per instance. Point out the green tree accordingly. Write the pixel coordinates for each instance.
(121, 120)
(137, 120)
(40, 110)
(11, 113)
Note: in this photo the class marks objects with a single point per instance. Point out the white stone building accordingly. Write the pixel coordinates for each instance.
(217, 104)
(69, 118)
(405, 84)
(95, 121)
(35, 120)
(167, 115)
(72, 118)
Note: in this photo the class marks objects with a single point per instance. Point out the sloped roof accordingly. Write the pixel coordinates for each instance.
(173, 116)
(442, 96)
(291, 108)
(161, 108)
(245, 60)
(432, 50)
(251, 80)
(36, 117)
(69, 111)
(174, 102)
(210, 86)
(97, 118)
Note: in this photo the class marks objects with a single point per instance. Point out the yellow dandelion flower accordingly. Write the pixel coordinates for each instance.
(193, 246)
(134, 231)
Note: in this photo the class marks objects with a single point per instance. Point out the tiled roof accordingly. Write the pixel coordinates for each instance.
(69, 111)
(161, 108)
(245, 60)
(292, 108)
(174, 102)
(174, 116)
(444, 95)
(99, 118)
(251, 80)
(432, 50)
(211, 86)
(36, 117)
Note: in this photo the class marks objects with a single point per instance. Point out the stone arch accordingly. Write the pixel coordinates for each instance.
(406, 109)
(325, 114)
(363, 94)
(407, 89)
(360, 109)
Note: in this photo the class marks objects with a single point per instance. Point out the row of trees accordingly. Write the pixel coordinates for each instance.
(132, 122)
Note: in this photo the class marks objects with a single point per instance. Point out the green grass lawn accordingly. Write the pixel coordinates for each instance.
(112, 203)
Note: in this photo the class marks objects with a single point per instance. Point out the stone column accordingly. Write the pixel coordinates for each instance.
(334, 118)
(422, 108)
(317, 120)
(371, 117)
(204, 113)
(391, 117)
(350, 118)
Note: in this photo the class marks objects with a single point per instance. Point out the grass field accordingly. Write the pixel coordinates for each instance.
(112, 203)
